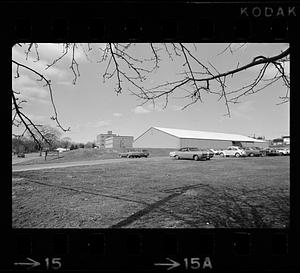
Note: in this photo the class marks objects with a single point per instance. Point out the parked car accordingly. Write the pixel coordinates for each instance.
(135, 153)
(21, 155)
(253, 151)
(270, 152)
(216, 152)
(283, 151)
(233, 151)
(192, 153)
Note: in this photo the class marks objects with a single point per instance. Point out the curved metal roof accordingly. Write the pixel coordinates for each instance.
(207, 135)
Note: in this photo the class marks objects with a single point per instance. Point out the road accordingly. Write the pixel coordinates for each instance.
(21, 168)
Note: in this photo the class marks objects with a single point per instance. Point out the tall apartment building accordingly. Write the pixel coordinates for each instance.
(100, 141)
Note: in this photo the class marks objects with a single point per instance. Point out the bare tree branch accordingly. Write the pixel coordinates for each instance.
(74, 62)
(48, 84)
(131, 71)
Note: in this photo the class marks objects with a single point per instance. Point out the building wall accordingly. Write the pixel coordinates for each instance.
(255, 144)
(101, 138)
(219, 144)
(154, 138)
(277, 141)
(286, 140)
(119, 142)
(205, 143)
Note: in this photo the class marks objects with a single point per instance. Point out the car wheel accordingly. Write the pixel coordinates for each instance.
(237, 155)
(196, 158)
(129, 156)
(176, 157)
(251, 155)
(222, 154)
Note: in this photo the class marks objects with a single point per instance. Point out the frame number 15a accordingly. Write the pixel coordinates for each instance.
(195, 263)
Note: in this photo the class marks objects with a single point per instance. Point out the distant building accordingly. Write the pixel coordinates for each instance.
(277, 141)
(100, 141)
(62, 149)
(157, 137)
(118, 142)
(286, 140)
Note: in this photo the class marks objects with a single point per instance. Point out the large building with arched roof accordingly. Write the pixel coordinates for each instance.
(157, 137)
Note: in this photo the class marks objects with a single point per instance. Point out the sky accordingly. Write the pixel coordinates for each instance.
(91, 106)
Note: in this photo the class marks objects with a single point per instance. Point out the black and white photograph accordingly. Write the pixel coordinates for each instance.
(151, 135)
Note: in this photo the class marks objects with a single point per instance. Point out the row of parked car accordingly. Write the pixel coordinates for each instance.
(252, 151)
(197, 154)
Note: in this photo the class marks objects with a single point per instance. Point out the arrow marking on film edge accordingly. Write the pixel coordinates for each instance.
(32, 263)
(172, 265)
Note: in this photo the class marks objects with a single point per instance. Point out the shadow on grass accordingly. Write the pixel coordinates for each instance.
(227, 207)
(204, 206)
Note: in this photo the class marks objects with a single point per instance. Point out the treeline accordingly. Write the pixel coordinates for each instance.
(27, 145)
(81, 145)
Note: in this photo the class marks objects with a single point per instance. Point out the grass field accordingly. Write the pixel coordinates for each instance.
(84, 155)
(156, 193)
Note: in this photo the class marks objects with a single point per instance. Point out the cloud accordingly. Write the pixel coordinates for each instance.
(22, 81)
(99, 123)
(40, 66)
(30, 90)
(140, 110)
(65, 82)
(117, 115)
(158, 107)
(37, 118)
(34, 92)
(51, 51)
(244, 110)
(271, 70)
(175, 107)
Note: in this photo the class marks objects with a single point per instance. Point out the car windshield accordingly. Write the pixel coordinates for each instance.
(193, 149)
